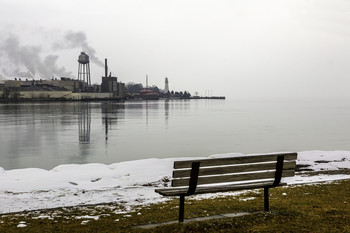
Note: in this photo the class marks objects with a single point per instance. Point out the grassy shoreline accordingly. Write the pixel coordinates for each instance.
(310, 208)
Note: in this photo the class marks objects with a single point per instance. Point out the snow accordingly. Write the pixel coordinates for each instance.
(88, 217)
(22, 224)
(129, 183)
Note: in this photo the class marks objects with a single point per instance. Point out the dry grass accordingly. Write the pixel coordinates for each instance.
(307, 208)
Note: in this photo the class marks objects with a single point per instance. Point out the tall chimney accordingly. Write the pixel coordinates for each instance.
(106, 68)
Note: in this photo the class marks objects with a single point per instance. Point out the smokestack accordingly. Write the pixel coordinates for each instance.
(106, 68)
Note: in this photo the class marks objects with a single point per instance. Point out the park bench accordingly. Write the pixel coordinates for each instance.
(192, 177)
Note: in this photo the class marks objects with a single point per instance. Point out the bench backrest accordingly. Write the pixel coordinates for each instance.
(233, 169)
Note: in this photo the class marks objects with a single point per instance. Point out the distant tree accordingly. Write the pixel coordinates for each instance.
(133, 87)
(154, 88)
(167, 94)
(187, 94)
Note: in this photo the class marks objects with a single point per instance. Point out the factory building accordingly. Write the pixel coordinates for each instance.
(64, 88)
(110, 83)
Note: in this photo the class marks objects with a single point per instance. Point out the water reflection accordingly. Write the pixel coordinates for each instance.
(166, 111)
(146, 112)
(109, 116)
(84, 122)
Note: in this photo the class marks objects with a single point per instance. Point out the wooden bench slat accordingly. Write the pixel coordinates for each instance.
(233, 169)
(231, 178)
(234, 160)
(214, 189)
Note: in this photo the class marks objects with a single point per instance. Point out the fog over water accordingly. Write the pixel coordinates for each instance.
(45, 135)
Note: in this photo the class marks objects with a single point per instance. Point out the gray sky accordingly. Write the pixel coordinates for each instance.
(240, 49)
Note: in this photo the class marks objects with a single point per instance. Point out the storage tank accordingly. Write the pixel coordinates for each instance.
(84, 72)
(83, 58)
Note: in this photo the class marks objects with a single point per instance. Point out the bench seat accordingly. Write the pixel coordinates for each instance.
(191, 177)
(214, 189)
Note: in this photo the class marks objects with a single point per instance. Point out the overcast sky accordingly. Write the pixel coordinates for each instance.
(242, 48)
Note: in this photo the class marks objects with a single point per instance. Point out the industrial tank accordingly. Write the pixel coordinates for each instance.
(83, 58)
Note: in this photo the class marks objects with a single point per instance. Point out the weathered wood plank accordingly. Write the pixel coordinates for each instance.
(206, 171)
(231, 178)
(234, 160)
(214, 189)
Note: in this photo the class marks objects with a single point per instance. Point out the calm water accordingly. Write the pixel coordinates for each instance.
(45, 135)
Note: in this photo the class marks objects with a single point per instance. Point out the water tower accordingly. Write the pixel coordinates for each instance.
(84, 71)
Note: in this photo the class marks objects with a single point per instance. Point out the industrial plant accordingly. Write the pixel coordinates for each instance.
(65, 88)
(81, 89)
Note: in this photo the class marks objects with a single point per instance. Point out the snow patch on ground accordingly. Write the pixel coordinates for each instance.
(22, 224)
(88, 217)
(129, 183)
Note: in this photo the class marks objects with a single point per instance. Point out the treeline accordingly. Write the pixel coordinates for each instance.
(134, 88)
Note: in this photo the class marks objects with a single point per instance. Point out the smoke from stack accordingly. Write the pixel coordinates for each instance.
(73, 40)
(27, 60)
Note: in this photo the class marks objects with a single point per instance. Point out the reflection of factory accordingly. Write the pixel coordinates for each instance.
(84, 122)
(64, 88)
(110, 113)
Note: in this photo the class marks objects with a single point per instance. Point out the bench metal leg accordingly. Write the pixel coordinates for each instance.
(266, 199)
(182, 208)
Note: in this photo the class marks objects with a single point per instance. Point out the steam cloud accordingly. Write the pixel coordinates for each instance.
(28, 58)
(25, 60)
(78, 40)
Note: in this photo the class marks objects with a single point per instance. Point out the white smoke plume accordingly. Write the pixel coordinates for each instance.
(25, 60)
(73, 40)
(19, 60)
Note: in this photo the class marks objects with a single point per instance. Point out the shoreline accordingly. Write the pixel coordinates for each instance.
(116, 99)
(125, 182)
